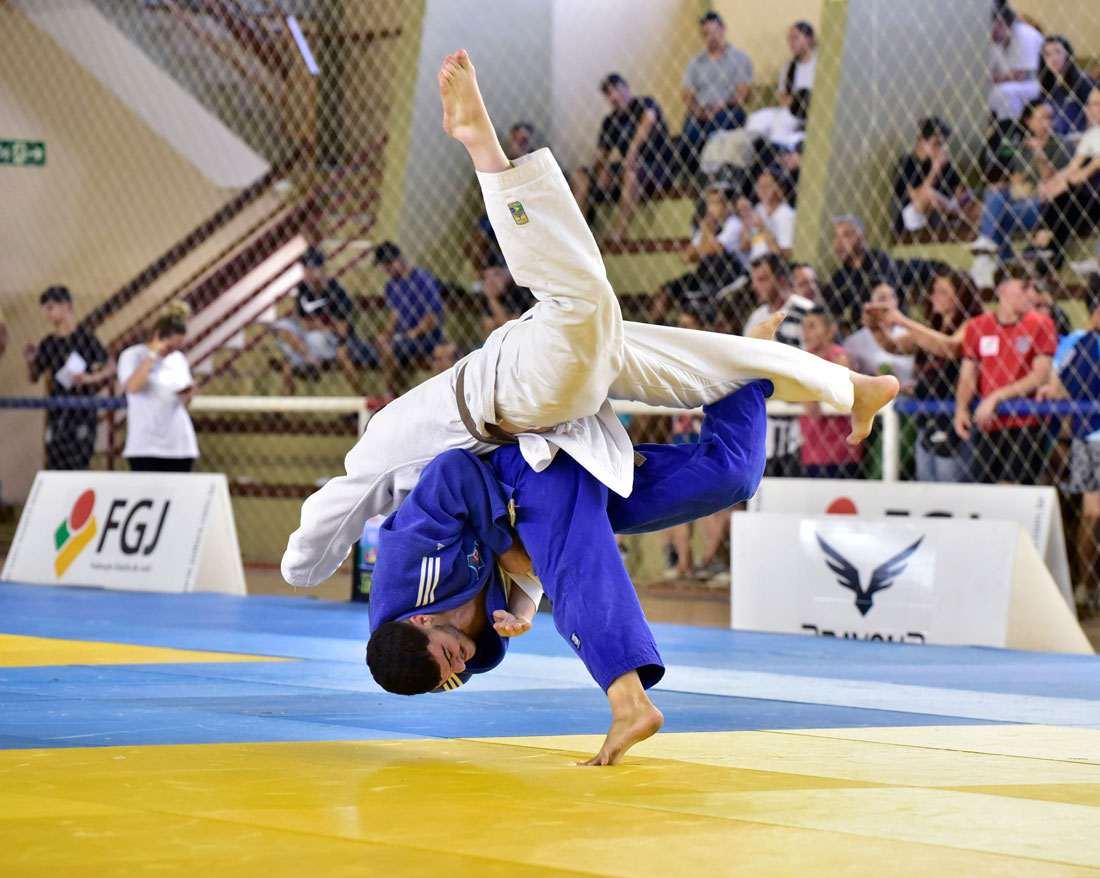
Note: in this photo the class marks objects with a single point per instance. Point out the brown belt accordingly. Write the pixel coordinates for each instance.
(496, 436)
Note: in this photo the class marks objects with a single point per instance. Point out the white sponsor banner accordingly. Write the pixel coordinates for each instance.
(1035, 508)
(169, 532)
(910, 581)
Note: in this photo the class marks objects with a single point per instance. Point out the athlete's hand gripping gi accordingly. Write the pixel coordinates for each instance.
(436, 555)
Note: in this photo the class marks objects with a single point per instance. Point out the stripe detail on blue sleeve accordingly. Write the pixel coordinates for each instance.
(429, 579)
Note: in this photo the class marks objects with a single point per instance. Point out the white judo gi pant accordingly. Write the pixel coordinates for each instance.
(577, 350)
(552, 371)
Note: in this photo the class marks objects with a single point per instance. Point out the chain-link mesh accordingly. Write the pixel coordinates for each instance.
(247, 157)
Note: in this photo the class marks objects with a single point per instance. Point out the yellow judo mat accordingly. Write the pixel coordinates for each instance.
(982, 800)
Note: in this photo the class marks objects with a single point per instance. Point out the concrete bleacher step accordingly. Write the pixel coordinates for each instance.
(655, 219)
(632, 273)
(957, 254)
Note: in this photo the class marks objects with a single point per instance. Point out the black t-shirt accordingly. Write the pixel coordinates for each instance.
(618, 127)
(331, 302)
(514, 300)
(53, 352)
(912, 172)
(851, 285)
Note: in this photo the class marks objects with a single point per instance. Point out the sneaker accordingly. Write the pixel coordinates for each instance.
(983, 270)
(1086, 267)
(714, 569)
(670, 574)
(983, 244)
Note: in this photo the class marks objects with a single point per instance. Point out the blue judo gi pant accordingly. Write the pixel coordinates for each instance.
(567, 520)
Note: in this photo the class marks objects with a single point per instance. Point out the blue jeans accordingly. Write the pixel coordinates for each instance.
(1003, 216)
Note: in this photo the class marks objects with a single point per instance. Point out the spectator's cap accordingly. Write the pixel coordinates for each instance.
(386, 252)
(612, 80)
(55, 294)
(707, 17)
(852, 219)
(933, 125)
(313, 258)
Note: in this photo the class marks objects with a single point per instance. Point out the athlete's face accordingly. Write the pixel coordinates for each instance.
(450, 648)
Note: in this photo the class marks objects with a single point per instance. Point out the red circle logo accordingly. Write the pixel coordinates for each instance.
(842, 506)
(82, 510)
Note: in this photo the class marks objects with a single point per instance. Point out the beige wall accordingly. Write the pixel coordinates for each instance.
(1077, 20)
(761, 30)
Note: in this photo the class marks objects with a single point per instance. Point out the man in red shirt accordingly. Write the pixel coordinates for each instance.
(1006, 355)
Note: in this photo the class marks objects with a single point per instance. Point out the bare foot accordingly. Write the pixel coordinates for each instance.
(872, 392)
(465, 117)
(766, 330)
(626, 731)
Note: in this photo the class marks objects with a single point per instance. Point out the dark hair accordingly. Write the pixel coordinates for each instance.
(931, 126)
(776, 263)
(1048, 78)
(707, 17)
(800, 103)
(968, 302)
(55, 294)
(610, 81)
(313, 257)
(1031, 106)
(1013, 270)
(386, 252)
(1004, 12)
(172, 320)
(399, 661)
(822, 312)
(879, 281)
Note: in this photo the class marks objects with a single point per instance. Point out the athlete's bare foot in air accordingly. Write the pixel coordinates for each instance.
(634, 719)
(465, 117)
(872, 392)
(766, 330)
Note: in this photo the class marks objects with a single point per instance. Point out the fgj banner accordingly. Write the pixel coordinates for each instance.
(908, 581)
(1035, 508)
(168, 532)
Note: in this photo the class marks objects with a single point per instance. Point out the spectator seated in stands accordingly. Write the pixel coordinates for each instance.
(928, 191)
(1077, 376)
(523, 139)
(771, 282)
(77, 365)
(444, 355)
(784, 125)
(1014, 206)
(1047, 285)
(1014, 53)
(1006, 355)
(860, 269)
(414, 323)
(804, 282)
(782, 128)
(716, 88)
(825, 452)
(1064, 85)
(716, 252)
(769, 226)
(321, 331)
(635, 130)
(1072, 196)
(951, 301)
(864, 350)
(504, 300)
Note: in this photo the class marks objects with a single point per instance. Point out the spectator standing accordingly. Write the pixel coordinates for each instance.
(635, 130)
(928, 191)
(157, 379)
(770, 278)
(936, 344)
(866, 353)
(1006, 355)
(769, 226)
(1014, 53)
(860, 269)
(414, 323)
(322, 329)
(76, 365)
(826, 453)
(716, 252)
(1077, 376)
(716, 89)
(1064, 85)
(1016, 206)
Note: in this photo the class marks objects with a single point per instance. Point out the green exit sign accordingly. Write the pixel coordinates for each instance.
(23, 153)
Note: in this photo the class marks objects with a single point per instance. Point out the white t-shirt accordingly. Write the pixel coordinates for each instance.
(780, 225)
(869, 357)
(803, 74)
(157, 423)
(729, 236)
(1024, 50)
(1089, 145)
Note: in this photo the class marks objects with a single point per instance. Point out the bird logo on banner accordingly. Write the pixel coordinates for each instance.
(882, 577)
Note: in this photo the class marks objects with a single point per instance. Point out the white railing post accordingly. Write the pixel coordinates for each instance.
(891, 443)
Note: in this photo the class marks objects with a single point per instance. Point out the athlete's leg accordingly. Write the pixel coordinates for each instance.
(557, 365)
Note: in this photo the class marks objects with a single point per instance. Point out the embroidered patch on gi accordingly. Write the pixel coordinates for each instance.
(576, 640)
(518, 213)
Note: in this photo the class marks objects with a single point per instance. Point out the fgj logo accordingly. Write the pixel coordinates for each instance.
(75, 532)
(881, 578)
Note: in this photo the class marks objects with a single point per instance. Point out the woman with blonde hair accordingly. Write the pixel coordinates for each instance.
(158, 385)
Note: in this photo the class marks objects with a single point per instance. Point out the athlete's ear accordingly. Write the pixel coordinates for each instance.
(423, 620)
